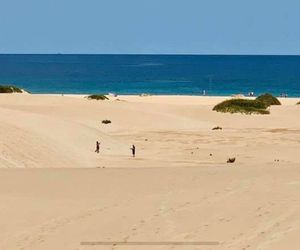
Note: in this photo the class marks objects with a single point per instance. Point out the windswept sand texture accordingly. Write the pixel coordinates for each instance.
(55, 192)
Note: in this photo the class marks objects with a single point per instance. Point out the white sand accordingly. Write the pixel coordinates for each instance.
(55, 193)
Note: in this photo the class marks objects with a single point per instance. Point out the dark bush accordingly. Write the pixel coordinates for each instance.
(268, 100)
(231, 160)
(242, 106)
(9, 89)
(97, 97)
(106, 121)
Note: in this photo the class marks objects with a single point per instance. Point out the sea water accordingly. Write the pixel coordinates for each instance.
(153, 74)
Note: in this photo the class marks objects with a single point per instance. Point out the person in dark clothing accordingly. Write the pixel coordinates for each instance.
(97, 147)
(133, 150)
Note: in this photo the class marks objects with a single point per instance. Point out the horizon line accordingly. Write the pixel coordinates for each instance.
(150, 54)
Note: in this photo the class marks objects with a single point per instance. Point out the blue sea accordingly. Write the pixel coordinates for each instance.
(155, 74)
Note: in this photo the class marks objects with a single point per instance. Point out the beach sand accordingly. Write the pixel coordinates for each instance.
(56, 192)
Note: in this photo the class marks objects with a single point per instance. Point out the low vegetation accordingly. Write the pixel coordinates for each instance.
(268, 100)
(97, 97)
(231, 160)
(10, 89)
(242, 106)
(106, 121)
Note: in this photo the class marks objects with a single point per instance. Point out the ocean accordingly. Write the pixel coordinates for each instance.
(153, 74)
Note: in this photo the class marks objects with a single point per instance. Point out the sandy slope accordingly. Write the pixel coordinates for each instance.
(55, 192)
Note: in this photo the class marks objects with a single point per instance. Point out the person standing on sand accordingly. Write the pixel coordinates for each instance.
(133, 150)
(97, 147)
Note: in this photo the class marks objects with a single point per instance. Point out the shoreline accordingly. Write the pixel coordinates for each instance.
(173, 99)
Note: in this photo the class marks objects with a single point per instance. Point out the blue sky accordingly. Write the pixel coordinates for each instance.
(150, 26)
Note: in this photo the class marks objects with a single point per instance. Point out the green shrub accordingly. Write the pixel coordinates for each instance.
(242, 106)
(9, 89)
(106, 121)
(98, 97)
(268, 100)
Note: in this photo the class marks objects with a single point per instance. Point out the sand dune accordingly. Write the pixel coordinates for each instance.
(55, 192)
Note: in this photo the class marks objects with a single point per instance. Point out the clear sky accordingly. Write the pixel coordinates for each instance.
(150, 26)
